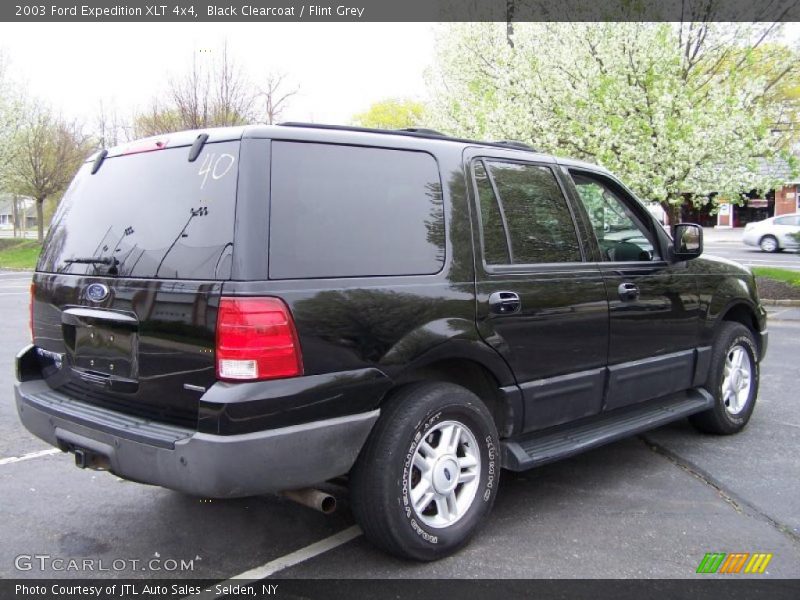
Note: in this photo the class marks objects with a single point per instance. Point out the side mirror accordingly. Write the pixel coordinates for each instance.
(688, 242)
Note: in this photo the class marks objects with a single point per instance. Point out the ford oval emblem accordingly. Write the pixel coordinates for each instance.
(97, 292)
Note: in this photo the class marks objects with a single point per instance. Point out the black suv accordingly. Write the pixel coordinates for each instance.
(263, 309)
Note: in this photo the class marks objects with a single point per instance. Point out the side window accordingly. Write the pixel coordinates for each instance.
(347, 211)
(620, 234)
(495, 240)
(527, 220)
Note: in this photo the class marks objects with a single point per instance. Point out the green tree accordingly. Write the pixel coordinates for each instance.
(392, 114)
(673, 109)
(49, 150)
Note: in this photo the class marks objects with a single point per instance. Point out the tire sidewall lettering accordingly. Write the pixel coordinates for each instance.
(491, 452)
(489, 471)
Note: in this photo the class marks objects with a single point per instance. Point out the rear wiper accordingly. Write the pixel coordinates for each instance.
(110, 260)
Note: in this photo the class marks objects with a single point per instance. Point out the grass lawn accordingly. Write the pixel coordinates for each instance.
(785, 275)
(19, 254)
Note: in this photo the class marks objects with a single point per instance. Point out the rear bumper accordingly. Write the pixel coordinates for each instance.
(214, 466)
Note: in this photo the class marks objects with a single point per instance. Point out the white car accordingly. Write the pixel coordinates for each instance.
(774, 234)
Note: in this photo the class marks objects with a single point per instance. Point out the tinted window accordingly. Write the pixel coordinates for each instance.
(155, 214)
(620, 234)
(539, 223)
(790, 220)
(495, 244)
(343, 211)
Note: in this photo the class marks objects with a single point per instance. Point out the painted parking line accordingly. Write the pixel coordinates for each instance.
(284, 562)
(29, 456)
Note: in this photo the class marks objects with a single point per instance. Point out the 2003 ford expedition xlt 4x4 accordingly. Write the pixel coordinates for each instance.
(249, 310)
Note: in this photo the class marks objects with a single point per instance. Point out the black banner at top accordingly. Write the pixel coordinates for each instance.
(396, 10)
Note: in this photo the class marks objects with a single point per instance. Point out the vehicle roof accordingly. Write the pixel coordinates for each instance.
(313, 132)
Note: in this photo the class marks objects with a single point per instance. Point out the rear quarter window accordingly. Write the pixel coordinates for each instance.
(346, 211)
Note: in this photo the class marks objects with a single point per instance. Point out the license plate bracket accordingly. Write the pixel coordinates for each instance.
(102, 342)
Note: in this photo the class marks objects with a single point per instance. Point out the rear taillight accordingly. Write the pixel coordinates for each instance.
(256, 339)
(30, 310)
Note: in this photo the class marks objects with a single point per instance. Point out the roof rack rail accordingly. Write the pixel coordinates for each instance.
(424, 130)
(417, 132)
(515, 144)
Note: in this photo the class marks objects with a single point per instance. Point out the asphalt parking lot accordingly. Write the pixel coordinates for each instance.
(728, 243)
(648, 507)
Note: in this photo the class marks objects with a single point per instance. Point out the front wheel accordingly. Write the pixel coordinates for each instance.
(733, 381)
(428, 474)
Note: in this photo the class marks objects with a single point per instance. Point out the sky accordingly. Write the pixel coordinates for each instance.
(340, 69)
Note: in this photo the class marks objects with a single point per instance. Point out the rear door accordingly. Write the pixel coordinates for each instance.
(786, 228)
(539, 303)
(127, 286)
(654, 305)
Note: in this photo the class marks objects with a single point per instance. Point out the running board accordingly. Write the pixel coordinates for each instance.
(541, 447)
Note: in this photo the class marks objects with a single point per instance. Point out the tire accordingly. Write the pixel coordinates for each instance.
(387, 478)
(735, 395)
(769, 243)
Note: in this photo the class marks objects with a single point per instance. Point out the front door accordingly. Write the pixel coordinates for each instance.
(654, 306)
(787, 227)
(540, 304)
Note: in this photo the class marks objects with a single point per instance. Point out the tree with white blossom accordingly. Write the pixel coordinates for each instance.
(673, 109)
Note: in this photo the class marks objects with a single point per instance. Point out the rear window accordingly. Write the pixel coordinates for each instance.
(345, 211)
(153, 214)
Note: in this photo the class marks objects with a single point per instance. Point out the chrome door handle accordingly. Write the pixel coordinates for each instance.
(504, 303)
(628, 291)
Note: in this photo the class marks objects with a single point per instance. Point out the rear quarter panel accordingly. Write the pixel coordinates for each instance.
(389, 323)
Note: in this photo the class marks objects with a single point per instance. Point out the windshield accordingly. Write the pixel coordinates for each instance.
(148, 215)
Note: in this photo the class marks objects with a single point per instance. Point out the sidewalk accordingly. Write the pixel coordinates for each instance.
(722, 236)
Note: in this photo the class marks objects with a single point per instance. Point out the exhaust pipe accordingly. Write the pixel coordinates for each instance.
(316, 499)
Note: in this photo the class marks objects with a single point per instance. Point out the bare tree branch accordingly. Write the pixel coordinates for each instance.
(275, 95)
